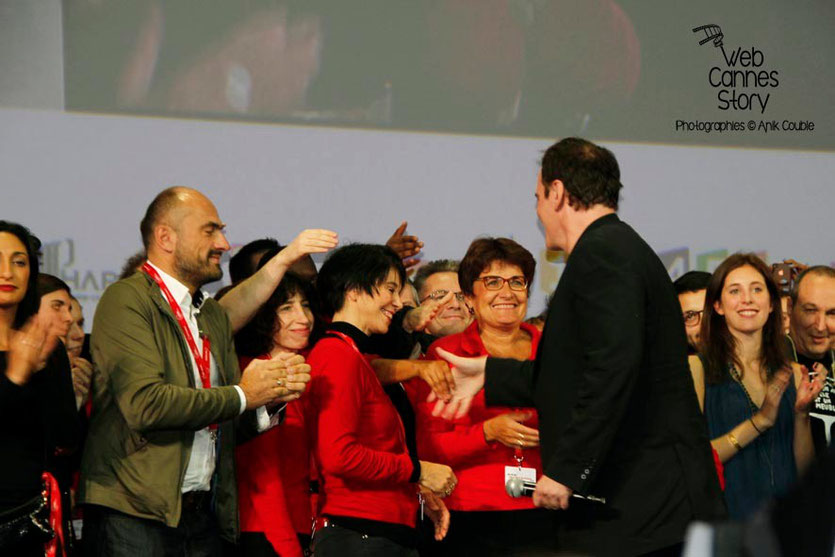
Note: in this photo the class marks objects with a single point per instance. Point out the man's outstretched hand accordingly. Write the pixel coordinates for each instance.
(469, 380)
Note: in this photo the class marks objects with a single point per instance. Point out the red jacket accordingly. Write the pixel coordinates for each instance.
(357, 438)
(478, 465)
(274, 481)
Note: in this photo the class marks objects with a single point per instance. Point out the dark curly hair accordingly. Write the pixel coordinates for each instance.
(484, 251)
(256, 337)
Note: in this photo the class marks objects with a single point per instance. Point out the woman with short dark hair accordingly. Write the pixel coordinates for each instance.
(756, 403)
(37, 407)
(488, 443)
(369, 481)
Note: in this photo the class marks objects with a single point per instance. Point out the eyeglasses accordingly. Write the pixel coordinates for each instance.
(692, 317)
(496, 283)
(436, 295)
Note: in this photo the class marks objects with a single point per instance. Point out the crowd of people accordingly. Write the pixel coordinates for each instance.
(381, 405)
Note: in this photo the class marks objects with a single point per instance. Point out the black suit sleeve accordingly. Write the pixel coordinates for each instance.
(609, 303)
(509, 382)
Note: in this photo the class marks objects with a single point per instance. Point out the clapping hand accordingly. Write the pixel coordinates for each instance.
(28, 350)
(773, 394)
(82, 374)
(468, 374)
(810, 387)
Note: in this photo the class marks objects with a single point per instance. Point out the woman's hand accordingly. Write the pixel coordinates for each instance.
(438, 478)
(437, 375)
(810, 387)
(28, 350)
(436, 510)
(469, 379)
(82, 373)
(773, 394)
(508, 430)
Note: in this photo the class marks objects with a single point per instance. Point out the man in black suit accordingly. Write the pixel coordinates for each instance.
(618, 414)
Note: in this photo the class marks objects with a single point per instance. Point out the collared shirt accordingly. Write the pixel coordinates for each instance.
(201, 464)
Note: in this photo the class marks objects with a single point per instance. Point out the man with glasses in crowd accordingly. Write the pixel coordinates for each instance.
(691, 288)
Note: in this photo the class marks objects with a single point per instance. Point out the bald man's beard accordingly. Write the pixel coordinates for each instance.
(198, 271)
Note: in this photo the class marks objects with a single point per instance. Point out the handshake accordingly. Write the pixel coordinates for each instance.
(280, 379)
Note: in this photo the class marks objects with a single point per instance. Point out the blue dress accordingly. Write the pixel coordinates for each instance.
(764, 468)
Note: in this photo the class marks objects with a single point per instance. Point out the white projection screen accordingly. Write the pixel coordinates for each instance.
(329, 136)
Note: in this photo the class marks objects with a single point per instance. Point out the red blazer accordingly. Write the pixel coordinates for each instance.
(478, 465)
(274, 481)
(357, 438)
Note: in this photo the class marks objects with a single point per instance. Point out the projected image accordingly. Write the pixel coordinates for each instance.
(622, 70)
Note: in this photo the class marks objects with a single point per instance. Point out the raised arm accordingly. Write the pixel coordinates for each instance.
(243, 301)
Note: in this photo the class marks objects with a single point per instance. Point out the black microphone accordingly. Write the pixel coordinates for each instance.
(518, 487)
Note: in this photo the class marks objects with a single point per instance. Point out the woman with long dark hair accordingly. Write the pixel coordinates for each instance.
(37, 406)
(756, 404)
(274, 468)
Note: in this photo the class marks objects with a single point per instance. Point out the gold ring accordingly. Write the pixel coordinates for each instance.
(279, 382)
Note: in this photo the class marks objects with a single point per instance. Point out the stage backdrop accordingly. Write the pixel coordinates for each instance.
(82, 183)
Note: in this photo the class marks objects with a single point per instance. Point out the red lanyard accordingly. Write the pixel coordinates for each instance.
(203, 360)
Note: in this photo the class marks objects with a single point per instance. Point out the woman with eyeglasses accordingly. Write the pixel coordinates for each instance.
(489, 443)
(756, 404)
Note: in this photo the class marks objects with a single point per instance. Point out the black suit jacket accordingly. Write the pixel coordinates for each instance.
(618, 414)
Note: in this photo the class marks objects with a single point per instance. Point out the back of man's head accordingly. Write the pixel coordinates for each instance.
(590, 173)
(691, 281)
(244, 263)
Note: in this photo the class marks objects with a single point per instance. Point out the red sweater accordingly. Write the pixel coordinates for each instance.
(274, 481)
(357, 438)
(478, 465)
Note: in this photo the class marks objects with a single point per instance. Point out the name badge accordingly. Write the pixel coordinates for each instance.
(525, 474)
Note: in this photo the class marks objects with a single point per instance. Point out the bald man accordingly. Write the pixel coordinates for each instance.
(168, 398)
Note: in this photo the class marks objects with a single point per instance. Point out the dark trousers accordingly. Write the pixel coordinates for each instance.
(528, 533)
(335, 541)
(256, 544)
(110, 533)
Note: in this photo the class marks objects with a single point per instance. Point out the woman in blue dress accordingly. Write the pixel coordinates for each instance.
(755, 402)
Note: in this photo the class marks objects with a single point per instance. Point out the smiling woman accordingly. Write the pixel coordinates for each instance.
(369, 481)
(37, 407)
(756, 404)
(495, 277)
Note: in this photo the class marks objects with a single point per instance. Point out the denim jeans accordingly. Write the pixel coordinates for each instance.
(114, 534)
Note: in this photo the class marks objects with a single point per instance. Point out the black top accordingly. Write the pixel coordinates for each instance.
(35, 419)
(823, 411)
(618, 414)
